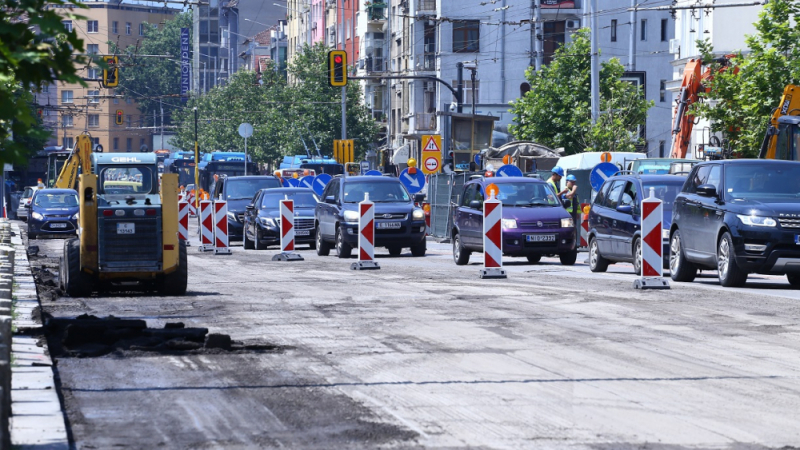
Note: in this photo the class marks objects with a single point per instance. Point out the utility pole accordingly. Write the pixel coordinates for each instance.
(595, 67)
(196, 164)
(632, 43)
(344, 88)
(460, 86)
(161, 106)
(538, 34)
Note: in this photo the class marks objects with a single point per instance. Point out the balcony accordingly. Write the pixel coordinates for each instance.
(376, 11)
(425, 121)
(426, 5)
(374, 64)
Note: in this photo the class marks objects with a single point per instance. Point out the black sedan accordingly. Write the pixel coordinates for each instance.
(53, 212)
(262, 217)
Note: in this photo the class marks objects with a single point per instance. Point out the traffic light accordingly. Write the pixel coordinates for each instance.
(111, 73)
(337, 68)
(119, 119)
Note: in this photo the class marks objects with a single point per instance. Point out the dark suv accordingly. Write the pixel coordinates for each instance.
(615, 218)
(534, 221)
(239, 192)
(398, 222)
(738, 217)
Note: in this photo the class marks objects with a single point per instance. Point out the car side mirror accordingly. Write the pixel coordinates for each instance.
(625, 209)
(419, 198)
(566, 202)
(250, 207)
(330, 199)
(475, 204)
(707, 190)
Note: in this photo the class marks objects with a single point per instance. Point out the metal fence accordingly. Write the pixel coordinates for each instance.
(443, 192)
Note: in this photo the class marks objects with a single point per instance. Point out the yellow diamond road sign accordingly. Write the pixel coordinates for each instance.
(431, 153)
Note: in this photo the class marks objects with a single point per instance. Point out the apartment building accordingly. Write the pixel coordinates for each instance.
(92, 108)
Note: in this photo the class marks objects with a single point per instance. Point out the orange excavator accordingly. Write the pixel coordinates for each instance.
(694, 78)
(782, 139)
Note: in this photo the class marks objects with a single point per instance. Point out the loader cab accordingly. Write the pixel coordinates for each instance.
(788, 141)
(126, 179)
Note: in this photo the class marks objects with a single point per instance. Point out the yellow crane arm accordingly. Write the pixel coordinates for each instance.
(79, 158)
(789, 106)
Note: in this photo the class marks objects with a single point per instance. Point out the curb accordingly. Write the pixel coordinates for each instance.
(37, 420)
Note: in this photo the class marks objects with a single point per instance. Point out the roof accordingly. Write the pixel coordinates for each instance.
(288, 189)
(372, 178)
(748, 161)
(792, 120)
(505, 180)
(56, 191)
(250, 177)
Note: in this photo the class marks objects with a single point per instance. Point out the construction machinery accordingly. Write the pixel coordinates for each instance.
(78, 160)
(128, 227)
(782, 137)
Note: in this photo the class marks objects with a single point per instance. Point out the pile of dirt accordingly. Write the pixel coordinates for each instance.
(91, 336)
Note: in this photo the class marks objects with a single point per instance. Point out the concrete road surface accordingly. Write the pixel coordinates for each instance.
(422, 353)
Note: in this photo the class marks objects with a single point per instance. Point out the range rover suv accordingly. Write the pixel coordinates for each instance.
(738, 217)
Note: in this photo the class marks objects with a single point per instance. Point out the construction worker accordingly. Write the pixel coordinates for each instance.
(39, 184)
(570, 192)
(555, 178)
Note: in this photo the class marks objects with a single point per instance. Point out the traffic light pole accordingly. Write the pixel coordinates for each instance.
(344, 112)
(197, 165)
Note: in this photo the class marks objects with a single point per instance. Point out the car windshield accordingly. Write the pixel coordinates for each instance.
(301, 199)
(526, 194)
(762, 182)
(246, 189)
(126, 180)
(28, 193)
(666, 192)
(61, 200)
(382, 192)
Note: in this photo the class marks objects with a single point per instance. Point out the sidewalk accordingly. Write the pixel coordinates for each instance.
(37, 420)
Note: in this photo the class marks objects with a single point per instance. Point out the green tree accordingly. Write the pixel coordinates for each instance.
(741, 101)
(150, 79)
(35, 49)
(557, 110)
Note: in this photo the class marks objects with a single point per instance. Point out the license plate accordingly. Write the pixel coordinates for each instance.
(302, 232)
(126, 228)
(389, 225)
(58, 225)
(540, 237)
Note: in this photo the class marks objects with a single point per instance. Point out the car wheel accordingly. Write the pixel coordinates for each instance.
(343, 249)
(395, 250)
(679, 268)
(76, 282)
(637, 256)
(730, 274)
(257, 240)
(596, 261)
(175, 283)
(419, 249)
(568, 259)
(534, 259)
(248, 244)
(794, 279)
(32, 236)
(460, 254)
(323, 248)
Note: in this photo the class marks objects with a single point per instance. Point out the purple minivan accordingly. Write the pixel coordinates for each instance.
(535, 222)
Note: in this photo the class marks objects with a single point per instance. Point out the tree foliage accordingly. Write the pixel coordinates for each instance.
(35, 49)
(739, 103)
(281, 113)
(146, 79)
(557, 110)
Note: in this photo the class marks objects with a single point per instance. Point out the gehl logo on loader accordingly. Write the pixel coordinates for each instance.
(125, 159)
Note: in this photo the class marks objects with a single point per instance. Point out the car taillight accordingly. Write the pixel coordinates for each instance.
(108, 212)
(150, 212)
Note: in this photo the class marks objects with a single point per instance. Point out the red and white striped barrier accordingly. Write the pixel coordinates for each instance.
(221, 228)
(652, 245)
(192, 206)
(366, 236)
(584, 230)
(287, 232)
(183, 221)
(492, 239)
(206, 226)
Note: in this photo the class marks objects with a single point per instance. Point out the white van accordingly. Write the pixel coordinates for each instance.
(588, 160)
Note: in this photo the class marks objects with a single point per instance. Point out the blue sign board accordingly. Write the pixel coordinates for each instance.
(307, 181)
(508, 171)
(600, 174)
(413, 183)
(294, 182)
(374, 173)
(320, 181)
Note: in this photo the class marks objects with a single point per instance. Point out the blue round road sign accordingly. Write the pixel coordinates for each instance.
(509, 171)
(307, 181)
(477, 160)
(600, 174)
(413, 183)
(294, 182)
(374, 173)
(285, 182)
(320, 182)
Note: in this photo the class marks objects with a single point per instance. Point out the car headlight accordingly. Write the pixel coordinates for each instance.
(757, 221)
(351, 216)
(567, 223)
(266, 221)
(76, 216)
(232, 216)
(37, 216)
(509, 223)
(418, 214)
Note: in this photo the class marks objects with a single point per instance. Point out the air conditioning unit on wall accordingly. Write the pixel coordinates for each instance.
(675, 46)
(573, 24)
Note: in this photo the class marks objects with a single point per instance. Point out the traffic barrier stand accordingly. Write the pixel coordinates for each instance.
(206, 226)
(584, 230)
(287, 232)
(366, 236)
(192, 206)
(183, 222)
(492, 239)
(652, 245)
(221, 228)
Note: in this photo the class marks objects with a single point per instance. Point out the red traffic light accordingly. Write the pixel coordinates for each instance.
(337, 59)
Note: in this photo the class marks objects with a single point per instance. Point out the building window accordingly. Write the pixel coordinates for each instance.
(94, 120)
(466, 36)
(93, 73)
(128, 144)
(115, 27)
(643, 27)
(67, 24)
(66, 96)
(128, 100)
(468, 91)
(662, 91)
(664, 30)
(93, 49)
(130, 120)
(91, 26)
(45, 88)
(116, 143)
(94, 97)
(128, 28)
(66, 121)
(141, 28)
(661, 145)
(614, 30)
(67, 142)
